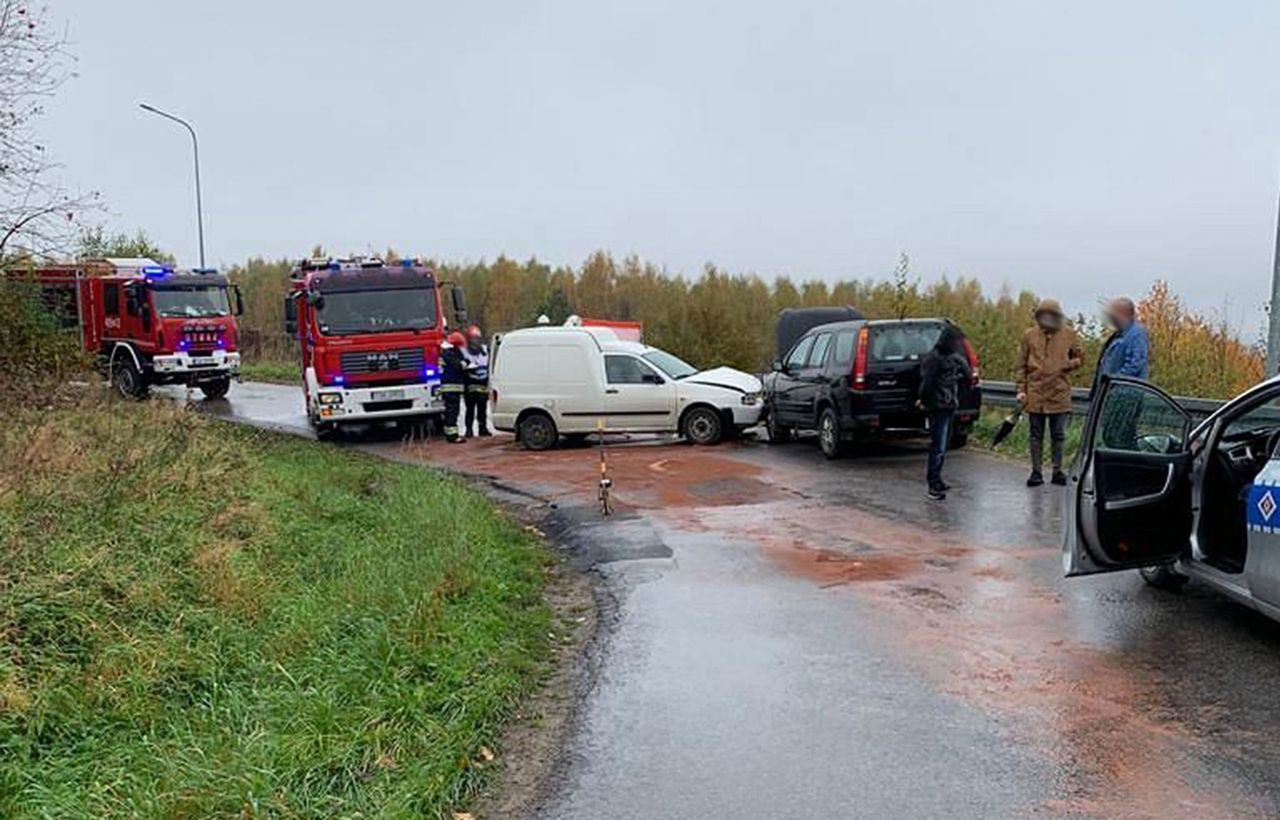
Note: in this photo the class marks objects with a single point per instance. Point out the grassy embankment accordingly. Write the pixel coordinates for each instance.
(1015, 446)
(270, 370)
(198, 620)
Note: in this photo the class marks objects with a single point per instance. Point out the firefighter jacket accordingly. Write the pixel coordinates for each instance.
(477, 362)
(453, 371)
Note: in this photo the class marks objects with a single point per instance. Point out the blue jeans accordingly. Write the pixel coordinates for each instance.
(939, 438)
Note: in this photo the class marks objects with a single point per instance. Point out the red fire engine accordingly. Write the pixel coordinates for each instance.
(147, 323)
(370, 335)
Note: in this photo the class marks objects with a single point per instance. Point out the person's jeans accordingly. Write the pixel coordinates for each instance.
(1057, 435)
(939, 438)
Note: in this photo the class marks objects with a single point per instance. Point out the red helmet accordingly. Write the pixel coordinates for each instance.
(474, 332)
(456, 339)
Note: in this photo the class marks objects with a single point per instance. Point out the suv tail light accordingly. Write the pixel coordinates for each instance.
(970, 352)
(860, 360)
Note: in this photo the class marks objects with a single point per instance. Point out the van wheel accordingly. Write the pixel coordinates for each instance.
(1164, 576)
(217, 388)
(537, 431)
(702, 425)
(778, 432)
(829, 436)
(129, 381)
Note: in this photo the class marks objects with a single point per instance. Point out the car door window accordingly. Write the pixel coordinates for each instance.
(818, 355)
(800, 354)
(1136, 420)
(628, 370)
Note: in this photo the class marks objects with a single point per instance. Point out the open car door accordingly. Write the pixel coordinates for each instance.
(1129, 499)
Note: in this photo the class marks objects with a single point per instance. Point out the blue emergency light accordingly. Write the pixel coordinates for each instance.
(155, 271)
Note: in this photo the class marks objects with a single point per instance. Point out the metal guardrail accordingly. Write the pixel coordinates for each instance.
(1002, 394)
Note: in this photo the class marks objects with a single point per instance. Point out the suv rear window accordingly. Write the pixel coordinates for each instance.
(903, 343)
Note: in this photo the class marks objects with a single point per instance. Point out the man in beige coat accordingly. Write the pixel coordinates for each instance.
(1051, 350)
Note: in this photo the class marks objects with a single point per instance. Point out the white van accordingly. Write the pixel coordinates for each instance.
(548, 382)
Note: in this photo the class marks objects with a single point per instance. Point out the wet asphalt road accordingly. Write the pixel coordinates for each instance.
(799, 638)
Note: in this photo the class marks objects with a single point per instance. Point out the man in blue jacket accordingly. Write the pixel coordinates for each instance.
(1126, 351)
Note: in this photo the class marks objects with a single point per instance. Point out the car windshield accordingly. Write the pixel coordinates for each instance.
(377, 311)
(673, 366)
(904, 342)
(192, 302)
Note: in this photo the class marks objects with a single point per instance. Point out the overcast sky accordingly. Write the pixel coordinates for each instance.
(1077, 148)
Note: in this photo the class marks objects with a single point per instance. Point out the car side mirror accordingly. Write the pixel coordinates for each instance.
(239, 300)
(146, 317)
(652, 378)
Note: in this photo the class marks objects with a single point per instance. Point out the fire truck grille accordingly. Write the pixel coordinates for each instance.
(382, 361)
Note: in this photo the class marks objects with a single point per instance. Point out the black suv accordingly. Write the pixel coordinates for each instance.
(857, 380)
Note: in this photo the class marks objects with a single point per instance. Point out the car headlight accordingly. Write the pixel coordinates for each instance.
(331, 398)
(750, 399)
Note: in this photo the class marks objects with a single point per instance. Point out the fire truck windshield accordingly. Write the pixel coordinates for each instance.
(343, 313)
(196, 302)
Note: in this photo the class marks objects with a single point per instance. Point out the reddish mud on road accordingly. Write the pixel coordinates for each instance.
(824, 641)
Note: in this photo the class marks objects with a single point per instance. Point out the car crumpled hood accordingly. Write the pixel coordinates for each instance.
(725, 377)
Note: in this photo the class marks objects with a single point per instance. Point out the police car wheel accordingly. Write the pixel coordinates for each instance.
(1164, 576)
(538, 432)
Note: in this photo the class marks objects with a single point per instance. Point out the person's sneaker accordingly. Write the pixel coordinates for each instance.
(1059, 478)
(485, 434)
(937, 494)
(1035, 480)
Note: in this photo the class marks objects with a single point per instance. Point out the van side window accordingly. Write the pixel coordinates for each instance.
(844, 349)
(111, 299)
(800, 353)
(818, 357)
(626, 370)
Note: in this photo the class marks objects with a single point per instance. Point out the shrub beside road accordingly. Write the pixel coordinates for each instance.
(203, 620)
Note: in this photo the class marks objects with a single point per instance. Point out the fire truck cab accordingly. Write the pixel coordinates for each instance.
(147, 323)
(370, 335)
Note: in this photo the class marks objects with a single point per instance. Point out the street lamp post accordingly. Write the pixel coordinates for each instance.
(195, 145)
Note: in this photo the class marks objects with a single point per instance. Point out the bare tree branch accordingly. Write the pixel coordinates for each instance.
(37, 214)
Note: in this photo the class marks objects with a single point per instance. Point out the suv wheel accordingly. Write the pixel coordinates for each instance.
(702, 425)
(829, 436)
(958, 440)
(537, 432)
(778, 432)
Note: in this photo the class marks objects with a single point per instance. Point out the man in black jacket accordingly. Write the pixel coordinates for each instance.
(944, 369)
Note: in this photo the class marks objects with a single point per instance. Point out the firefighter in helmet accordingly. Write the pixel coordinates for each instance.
(453, 382)
(476, 356)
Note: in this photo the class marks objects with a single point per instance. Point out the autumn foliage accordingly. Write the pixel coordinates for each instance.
(719, 317)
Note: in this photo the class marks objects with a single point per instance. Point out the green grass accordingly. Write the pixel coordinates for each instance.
(271, 371)
(1016, 445)
(201, 621)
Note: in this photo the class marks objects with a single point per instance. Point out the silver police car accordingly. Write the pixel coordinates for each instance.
(1152, 491)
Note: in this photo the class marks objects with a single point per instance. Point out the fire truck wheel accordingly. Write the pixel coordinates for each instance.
(129, 381)
(216, 389)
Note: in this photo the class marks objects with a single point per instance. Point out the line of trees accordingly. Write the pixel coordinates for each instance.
(718, 317)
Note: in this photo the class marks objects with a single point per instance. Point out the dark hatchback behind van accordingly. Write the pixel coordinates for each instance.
(858, 380)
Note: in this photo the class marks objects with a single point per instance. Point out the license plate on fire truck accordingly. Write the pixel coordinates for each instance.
(386, 395)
